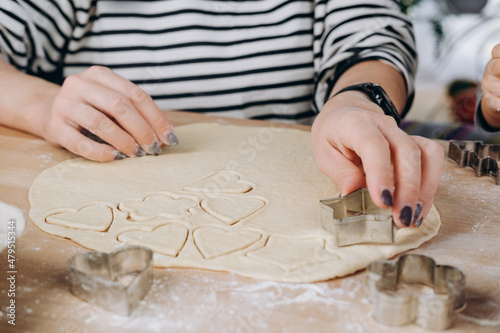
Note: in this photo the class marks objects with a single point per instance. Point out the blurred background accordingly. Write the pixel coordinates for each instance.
(454, 43)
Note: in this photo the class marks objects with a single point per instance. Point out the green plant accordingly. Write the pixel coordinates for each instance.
(407, 4)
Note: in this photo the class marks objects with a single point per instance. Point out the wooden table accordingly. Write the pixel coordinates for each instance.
(190, 300)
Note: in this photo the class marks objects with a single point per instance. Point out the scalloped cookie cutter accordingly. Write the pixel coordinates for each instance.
(482, 158)
(115, 281)
(355, 219)
(429, 310)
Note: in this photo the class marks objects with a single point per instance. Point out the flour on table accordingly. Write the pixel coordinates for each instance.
(227, 198)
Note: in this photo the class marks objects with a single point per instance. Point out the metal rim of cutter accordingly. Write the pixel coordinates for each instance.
(355, 219)
(431, 311)
(98, 277)
(482, 158)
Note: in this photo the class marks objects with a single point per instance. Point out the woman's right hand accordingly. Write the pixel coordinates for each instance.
(110, 107)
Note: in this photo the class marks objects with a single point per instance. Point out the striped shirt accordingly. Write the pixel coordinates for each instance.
(262, 59)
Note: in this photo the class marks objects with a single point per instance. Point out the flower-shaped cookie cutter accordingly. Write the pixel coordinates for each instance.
(433, 310)
(482, 158)
(115, 281)
(355, 219)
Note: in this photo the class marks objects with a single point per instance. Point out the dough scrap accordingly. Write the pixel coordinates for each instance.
(270, 192)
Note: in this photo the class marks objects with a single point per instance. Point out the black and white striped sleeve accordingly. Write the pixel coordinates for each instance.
(350, 31)
(34, 34)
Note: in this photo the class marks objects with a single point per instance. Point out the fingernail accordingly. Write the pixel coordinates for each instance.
(386, 197)
(139, 152)
(419, 222)
(119, 155)
(418, 210)
(171, 138)
(406, 215)
(155, 148)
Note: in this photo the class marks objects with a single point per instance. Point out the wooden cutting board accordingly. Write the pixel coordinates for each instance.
(190, 300)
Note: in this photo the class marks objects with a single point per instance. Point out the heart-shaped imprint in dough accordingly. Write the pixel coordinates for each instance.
(167, 239)
(213, 242)
(221, 182)
(97, 217)
(158, 205)
(232, 210)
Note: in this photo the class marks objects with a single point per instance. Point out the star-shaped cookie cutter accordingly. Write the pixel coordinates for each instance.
(355, 219)
(482, 158)
(429, 310)
(115, 281)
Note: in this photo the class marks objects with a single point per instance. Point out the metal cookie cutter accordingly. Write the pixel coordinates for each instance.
(115, 281)
(429, 310)
(480, 157)
(355, 219)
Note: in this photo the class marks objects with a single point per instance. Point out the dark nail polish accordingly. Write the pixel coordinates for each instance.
(139, 152)
(418, 210)
(172, 139)
(419, 222)
(386, 197)
(155, 148)
(119, 155)
(406, 215)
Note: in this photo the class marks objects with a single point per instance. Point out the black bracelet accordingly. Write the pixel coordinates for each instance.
(378, 96)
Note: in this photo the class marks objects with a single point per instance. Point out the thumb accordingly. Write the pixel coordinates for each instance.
(347, 175)
(495, 53)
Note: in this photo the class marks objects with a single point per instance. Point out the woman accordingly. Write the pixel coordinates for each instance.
(106, 68)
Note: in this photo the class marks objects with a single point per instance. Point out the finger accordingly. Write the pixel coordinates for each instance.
(406, 157)
(374, 151)
(347, 175)
(493, 67)
(100, 125)
(490, 82)
(117, 106)
(432, 161)
(140, 100)
(77, 143)
(492, 101)
(495, 53)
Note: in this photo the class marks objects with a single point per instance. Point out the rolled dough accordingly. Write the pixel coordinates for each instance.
(227, 198)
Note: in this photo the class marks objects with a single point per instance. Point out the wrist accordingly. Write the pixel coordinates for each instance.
(353, 100)
(33, 116)
(375, 94)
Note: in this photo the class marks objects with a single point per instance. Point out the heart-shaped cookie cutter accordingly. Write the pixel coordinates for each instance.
(429, 310)
(355, 219)
(115, 281)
